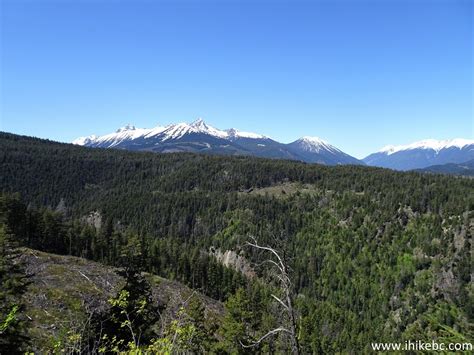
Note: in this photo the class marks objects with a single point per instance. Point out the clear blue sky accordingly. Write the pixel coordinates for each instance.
(360, 74)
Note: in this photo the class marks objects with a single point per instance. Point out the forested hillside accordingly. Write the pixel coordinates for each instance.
(373, 255)
(466, 169)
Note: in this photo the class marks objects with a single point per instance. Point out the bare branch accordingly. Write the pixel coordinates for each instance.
(268, 261)
(286, 287)
(270, 333)
(88, 279)
(281, 302)
(281, 266)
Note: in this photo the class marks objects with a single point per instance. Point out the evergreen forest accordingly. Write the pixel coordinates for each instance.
(304, 258)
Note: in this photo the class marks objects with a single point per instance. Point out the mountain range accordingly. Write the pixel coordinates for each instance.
(203, 138)
(423, 154)
(200, 137)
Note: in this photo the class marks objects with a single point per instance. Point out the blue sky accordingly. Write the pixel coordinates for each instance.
(360, 74)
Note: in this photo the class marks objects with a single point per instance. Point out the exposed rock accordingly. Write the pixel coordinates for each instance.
(231, 259)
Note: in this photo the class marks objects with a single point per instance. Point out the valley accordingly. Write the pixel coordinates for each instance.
(373, 254)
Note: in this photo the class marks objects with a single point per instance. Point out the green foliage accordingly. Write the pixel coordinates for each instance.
(376, 255)
(186, 333)
(132, 316)
(9, 320)
(203, 327)
(236, 325)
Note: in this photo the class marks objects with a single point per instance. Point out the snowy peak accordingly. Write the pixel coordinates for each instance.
(419, 155)
(315, 144)
(199, 124)
(315, 140)
(433, 144)
(176, 131)
(84, 140)
(168, 133)
(124, 133)
(317, 150)
(198, 136)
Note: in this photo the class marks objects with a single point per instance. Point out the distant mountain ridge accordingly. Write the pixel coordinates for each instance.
(465, 169)
(201, 137)
(422, 154)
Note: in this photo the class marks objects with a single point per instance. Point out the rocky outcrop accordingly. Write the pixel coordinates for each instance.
(233, 260)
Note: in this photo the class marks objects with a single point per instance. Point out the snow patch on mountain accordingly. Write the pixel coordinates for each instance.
(122, 134)
(127, 132)
(154, 131)
(235, 133)
(84, 140)
(179, 130)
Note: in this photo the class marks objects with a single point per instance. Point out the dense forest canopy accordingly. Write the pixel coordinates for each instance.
(373, 254)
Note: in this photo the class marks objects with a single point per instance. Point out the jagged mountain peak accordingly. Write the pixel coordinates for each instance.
(199, 124)
(127, 127)
(177, 131)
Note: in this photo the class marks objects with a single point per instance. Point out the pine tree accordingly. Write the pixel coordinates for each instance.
(235, 328)
(204, 328)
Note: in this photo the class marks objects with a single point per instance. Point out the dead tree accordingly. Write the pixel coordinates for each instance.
(285, 301)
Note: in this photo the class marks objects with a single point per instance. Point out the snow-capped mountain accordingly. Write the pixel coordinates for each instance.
(317, 150)
(110, 140)
(201, 137)
(165, 133)
(422, 154)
